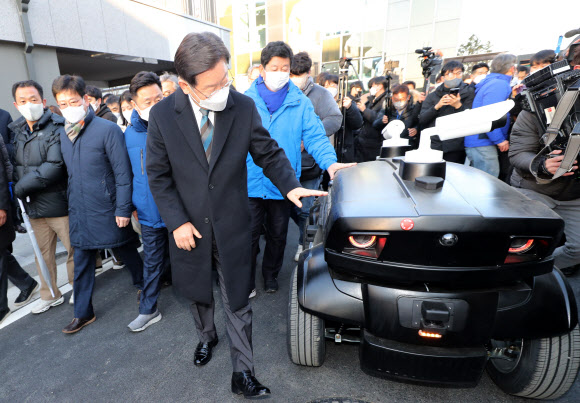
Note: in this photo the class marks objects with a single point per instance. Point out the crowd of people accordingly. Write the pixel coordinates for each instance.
(196, 172)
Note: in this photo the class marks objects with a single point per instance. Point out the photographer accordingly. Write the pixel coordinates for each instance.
(368, 142)
(562, 195)
(451, 97)
(405, 109)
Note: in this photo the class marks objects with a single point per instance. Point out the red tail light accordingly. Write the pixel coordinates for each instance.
(520, 245)
(366, 245)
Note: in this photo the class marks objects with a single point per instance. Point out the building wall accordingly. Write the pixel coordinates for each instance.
(13, 69)
(102, 27)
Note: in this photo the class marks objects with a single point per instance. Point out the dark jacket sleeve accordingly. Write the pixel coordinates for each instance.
(467, 99)
(428, 112)
(5, 201)
(353, 118)
(116, 150)
(5, 160)
(161, 181)
(270, 157)
(524, 141)
(48, 173)
(370, 115)
(378, 122)
(7, 134)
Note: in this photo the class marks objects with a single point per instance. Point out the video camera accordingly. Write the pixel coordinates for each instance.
(429, 60)
(552, 95)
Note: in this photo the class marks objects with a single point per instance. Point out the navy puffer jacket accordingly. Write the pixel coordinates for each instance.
(99, 185)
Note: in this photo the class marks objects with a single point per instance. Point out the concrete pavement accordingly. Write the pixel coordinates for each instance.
(105, 362)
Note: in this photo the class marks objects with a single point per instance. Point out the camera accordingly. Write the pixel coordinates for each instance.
(430, 60)
(551, 94)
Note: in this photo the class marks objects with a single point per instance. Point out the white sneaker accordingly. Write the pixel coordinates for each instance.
(253, 293)
(118, 265)
(44, 306)
(298, 252)
(72, 298)
(144, 321)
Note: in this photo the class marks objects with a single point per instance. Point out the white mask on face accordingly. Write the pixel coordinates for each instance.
(373, 91)
(95, 106)
(217, 102)
(300, 82)
(400, 105)
(333, 91)
(479, 78)
(117, 114)
(275, 80)
(144, 113)
(127, 115)
(74, 114)
(31, 112)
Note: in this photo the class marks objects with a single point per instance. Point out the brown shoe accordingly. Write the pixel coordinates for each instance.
(77, 324)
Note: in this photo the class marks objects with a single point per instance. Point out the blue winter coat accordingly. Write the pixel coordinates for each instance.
(136, 140)
(294, 122)
(99, 185)
(494, 88)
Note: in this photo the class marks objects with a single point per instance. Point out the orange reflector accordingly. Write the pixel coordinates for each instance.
(429, 335)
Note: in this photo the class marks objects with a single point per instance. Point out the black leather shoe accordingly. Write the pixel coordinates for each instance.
(271, 286)
(25, 295)
(202, 353)
(77, 324)
(247, 384)
(20, 229)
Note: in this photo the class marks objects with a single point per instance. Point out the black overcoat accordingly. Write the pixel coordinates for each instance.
(214, 196)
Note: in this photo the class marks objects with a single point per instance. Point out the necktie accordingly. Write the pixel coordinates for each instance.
(206, 132)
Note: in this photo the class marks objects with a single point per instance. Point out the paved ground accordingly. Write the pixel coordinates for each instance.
(105, 362)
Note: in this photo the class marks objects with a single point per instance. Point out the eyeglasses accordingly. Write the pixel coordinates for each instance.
(454, 74)
(216, 91)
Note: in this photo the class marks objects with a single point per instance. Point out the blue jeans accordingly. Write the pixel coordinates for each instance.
(484, 158)
(155, 255)
(300, 215)
(84, 282)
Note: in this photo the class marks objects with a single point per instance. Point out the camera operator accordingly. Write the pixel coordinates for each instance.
(451, 97)
(405, 109)
(368, 142)
(562, 195)
(356, 91)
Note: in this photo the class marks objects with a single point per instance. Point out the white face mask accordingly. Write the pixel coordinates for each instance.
(479, 78)
(373, 91)
(300, 82)
(144, 113)
(400, 105)
(74, 114)
(117, 114)
(333, 91)
(217, 102)
(31, 112)
(127, 115)
(275, 80)
(95, 106)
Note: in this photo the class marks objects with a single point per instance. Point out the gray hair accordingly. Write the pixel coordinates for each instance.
(199, 52)
(169, 77)
(502, 63)
(252, 67)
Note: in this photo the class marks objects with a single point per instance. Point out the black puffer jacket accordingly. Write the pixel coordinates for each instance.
(7, 233)
(429, 114)
(39, 172)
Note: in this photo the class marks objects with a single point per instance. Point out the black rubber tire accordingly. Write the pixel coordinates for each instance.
(546, 370)
(305, 335)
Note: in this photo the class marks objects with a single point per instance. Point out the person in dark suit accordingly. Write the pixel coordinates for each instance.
(197, 143)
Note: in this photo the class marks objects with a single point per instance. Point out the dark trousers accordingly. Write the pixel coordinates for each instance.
(276, 214)
(455, 156)
(238, 324)
(155, 254)
(11, 269)
(84, 282)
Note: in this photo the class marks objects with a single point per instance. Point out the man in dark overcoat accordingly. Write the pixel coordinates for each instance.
(197, 143)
